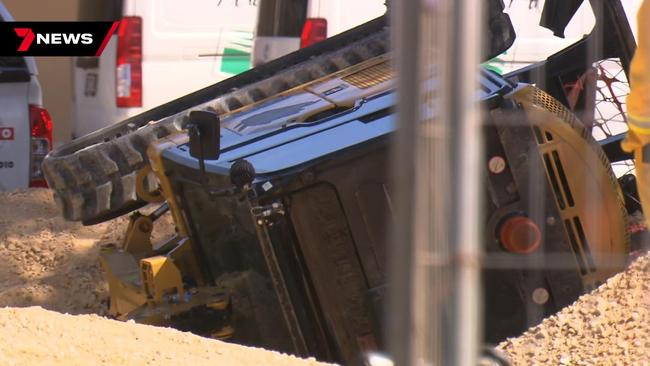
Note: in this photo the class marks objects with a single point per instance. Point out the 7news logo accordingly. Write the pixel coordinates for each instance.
(50, 38)
(55, 38)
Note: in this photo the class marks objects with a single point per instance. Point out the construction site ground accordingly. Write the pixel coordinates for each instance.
(51, 269)
(49, 263)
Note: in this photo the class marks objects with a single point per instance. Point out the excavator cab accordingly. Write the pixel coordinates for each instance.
(280, 193)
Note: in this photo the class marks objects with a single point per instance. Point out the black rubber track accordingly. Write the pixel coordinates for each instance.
(93, 177)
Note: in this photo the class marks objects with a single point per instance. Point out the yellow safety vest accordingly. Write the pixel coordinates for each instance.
(638, 102)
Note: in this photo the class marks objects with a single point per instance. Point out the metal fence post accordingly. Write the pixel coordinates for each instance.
(435, 284)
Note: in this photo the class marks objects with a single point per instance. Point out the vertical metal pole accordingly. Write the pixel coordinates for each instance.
(466, 32)
(405, 22)
(435, 283)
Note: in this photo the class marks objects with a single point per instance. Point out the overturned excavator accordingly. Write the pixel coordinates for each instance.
(278, 186)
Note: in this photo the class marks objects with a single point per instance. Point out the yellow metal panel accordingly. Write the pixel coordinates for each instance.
(160, 278)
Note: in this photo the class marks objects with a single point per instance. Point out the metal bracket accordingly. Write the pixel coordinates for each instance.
(137, 240)
(263, 213)
(143, 185)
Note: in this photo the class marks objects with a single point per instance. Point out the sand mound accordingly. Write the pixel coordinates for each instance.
(54, 264)
(34, 336)
(48, 261)
(610, 326)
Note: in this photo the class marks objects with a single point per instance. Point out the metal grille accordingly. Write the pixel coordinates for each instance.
(371, 76)
(559, 162)
(549, 103)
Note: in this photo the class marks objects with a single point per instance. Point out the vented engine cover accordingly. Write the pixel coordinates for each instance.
(586, 191)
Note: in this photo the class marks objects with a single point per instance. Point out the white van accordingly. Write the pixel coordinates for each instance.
(162, 50)
(25, 126)
(287, 25)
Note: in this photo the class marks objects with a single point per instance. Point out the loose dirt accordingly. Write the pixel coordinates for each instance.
(50, 263)
(610, 326)
(34, 336)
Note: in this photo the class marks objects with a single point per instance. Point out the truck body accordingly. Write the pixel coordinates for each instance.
(25, 126)
(163, 50)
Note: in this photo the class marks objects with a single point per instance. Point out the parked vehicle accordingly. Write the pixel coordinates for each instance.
(25, 126)
(162, 50)
(288, 25)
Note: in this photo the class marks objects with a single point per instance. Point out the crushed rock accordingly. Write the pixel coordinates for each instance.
(609, 326)
(48, 261)
(54, 264)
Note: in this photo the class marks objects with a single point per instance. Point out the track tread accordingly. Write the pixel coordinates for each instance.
(94, 177)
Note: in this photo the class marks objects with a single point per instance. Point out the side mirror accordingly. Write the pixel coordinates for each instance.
(204, 130)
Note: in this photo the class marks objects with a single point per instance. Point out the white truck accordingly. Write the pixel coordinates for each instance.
(285, 26)
(25, 126)
(163, 49)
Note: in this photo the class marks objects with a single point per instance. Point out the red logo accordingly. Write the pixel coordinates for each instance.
(28, 38)
(6, 133)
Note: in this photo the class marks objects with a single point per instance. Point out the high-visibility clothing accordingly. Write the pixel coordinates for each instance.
(638, 109)
(638, 102)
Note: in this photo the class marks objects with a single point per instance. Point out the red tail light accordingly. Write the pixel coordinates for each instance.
(129, 63)
(41, 125)
(519, 234)
(315, 30)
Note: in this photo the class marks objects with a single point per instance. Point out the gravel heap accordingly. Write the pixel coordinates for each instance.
(54, 264)
(48, 261)
(34, 336)
(610, 326)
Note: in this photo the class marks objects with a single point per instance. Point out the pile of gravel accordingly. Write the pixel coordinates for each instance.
(54, 264)
(34, 336)
(50, 262)
(47, 261)
(610, 326)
